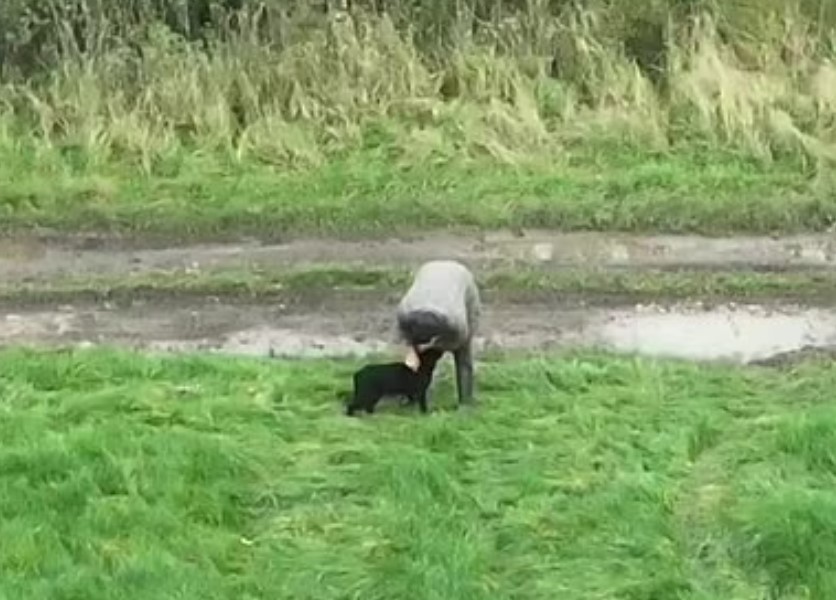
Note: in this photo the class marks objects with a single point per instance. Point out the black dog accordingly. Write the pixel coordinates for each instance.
(373, 382)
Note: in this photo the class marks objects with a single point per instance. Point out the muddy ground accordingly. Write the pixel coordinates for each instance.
(345, 328)
(44, 257)
(340, 324)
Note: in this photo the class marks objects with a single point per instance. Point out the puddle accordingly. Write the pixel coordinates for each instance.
(267, 341)
(738, 334)
(334, 327)
(742, 335)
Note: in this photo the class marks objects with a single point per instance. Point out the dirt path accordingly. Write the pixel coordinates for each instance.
(27, 259)
(344, 325)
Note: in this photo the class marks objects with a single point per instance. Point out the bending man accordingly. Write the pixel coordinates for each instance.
(441, 310)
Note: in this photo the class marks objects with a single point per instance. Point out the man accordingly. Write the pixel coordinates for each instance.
(441, 310)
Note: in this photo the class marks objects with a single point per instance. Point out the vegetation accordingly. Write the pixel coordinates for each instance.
(365, 196)
(676, 116)
(579, 476)
(585, 475)
(602, 286)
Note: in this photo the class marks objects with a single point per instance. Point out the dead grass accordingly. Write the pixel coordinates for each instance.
(359, 82)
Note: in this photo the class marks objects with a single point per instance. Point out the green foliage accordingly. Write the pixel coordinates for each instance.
(122, 103)
(301, 285)
(288, 88)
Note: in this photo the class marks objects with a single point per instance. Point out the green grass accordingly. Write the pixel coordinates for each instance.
(497, 285)
(371, 194)
(579, 476)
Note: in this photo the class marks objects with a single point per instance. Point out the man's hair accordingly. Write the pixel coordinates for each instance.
(423, 329)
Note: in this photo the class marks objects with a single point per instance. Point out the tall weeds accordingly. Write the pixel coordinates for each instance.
(296, 89)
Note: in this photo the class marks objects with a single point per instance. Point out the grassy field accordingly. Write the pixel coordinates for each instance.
(497, 285)
(369, 195)
(354, 127)
(581, 476)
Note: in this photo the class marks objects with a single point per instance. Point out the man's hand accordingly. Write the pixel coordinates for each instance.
(424, 347)
(412, 360)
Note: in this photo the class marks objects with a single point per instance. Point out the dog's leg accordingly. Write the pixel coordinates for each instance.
(371, 403)
(422, 401)
(350, 401)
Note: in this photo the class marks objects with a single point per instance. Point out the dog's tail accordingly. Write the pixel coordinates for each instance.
(343, 396)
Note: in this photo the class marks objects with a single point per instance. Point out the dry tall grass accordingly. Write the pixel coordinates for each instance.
(359, 81)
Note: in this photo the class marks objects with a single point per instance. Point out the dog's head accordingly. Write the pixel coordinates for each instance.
(428, 358)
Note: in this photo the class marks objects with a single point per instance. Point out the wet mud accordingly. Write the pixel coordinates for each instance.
(344, 325)
(343, 328)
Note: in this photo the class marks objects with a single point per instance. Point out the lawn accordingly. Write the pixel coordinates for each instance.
(579, 476)
(367, 194)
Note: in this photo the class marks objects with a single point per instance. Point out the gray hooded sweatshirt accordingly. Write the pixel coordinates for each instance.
(447, 288)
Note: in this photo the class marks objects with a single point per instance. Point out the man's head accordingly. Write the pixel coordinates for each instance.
(423, 329)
